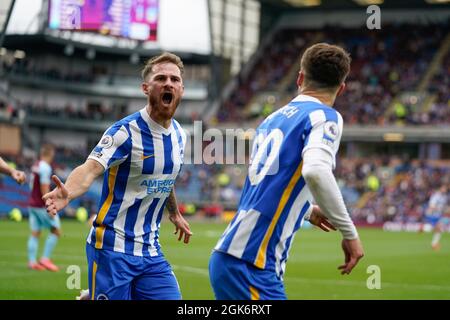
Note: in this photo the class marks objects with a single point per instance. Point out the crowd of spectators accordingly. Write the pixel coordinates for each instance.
(66, 159)
(405, 198)
(375, 189)
(277, 59)
(89, 111)
(96, 112)
(439, 85)
(384, 64)
(9, 112)
(32, 68)
(93, 112)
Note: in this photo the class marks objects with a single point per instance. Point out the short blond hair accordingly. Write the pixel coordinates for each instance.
(162, 58)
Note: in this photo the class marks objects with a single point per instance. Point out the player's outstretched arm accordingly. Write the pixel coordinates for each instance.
(17, 175)
(317, 171)
(77, 184)
(181, 225)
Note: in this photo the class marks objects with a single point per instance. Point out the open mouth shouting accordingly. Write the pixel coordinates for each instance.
(167, 98)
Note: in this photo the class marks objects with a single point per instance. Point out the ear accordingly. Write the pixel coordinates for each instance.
(300, 78)
(340, 90)
(145, 88)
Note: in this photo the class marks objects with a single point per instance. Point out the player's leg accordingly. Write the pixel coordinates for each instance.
(235, 279)
(33, 240)
(110, 274)
(157, 282)
(54, 224)
(435, 242)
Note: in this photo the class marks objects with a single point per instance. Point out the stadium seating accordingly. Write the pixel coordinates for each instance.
(383, 67)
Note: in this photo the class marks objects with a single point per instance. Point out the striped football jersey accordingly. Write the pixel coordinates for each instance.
(142, 160)
(275, 197)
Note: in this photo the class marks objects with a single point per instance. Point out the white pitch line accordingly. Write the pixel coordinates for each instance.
(201, 271)
(363, 284)
(204, 272)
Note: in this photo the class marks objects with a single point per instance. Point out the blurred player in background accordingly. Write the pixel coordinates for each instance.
(39, 219)
(292, 162)
(435, 214)
(140, 157)
(17, 175)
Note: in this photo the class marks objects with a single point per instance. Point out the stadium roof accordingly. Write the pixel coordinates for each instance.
(354, 4)
(46, 43)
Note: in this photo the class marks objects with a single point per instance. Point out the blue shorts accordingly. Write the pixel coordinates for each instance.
(234, 279)
(119, 276)
(433, 220)
(40, 219)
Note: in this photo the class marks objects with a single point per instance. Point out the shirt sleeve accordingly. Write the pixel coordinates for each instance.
(324, 132)
(323, 186)
(45, 172)
(113, 148)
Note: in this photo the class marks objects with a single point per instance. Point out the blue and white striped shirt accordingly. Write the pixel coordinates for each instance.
(142, 160)
(275, 197)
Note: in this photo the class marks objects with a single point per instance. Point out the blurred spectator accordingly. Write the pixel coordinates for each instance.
(373, 183)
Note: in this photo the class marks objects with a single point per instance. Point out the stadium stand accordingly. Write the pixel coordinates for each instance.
(400, 77)
(383, 66)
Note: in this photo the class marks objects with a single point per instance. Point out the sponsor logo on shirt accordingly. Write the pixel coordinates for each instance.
(331, 130)
(158, 186)
(107, 142)
(146, 157)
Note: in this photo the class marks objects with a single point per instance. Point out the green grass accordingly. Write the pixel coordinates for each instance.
(409, 268)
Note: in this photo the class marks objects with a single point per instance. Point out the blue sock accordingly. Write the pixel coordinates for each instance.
(33, 244)
(50, 244)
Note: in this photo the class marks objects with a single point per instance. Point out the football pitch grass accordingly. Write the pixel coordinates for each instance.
(409, 269)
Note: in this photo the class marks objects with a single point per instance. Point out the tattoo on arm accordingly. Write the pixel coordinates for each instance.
(171, 204)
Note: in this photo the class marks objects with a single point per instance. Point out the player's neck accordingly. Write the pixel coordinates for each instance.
(165, 123)
(324, 97)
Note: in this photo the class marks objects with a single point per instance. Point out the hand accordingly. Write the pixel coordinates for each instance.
(318, 219)
(57, 199)
(353, 252)
(19, 176)
(180, 225)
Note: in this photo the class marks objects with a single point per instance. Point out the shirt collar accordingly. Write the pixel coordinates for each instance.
(153, 124)
(306, 98)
